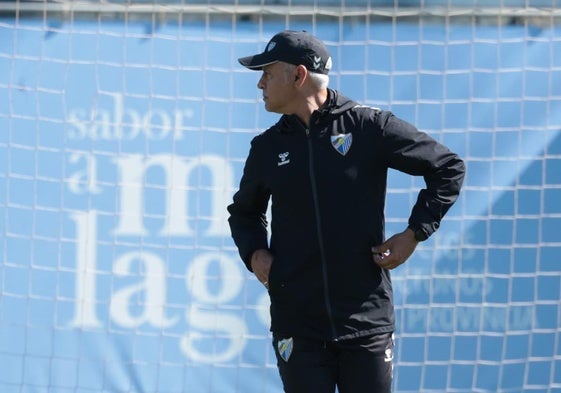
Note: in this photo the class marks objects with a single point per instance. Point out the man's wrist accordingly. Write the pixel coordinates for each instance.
(420, 234)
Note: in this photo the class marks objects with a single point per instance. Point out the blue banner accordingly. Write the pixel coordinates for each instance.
(121, 144)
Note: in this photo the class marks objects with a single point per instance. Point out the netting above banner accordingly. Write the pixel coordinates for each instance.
(121, 143)
(536, 12)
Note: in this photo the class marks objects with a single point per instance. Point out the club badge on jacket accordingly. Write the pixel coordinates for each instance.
(342, 142)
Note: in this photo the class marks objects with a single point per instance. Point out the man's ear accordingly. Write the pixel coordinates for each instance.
(300, 73)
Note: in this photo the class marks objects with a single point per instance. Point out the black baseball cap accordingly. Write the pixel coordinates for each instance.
(293, 47)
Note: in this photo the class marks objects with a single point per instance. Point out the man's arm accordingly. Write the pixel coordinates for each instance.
(416, 153)
(248, 222)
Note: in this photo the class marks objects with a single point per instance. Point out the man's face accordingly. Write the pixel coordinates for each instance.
(278, 88)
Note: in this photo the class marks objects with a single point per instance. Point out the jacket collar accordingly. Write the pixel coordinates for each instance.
(335, 105)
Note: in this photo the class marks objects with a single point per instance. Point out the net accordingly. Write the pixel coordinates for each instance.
(124, 128)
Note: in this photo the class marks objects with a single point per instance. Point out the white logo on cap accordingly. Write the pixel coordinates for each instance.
(317, 62)
(328, 64)
(270, 46)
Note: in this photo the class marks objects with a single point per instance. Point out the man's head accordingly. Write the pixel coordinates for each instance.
(293, 47)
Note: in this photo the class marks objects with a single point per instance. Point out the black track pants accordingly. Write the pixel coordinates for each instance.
(362, 365)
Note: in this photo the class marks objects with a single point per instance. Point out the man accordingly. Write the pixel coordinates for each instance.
(324, 167)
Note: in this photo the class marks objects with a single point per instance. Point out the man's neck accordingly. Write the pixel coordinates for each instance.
(313, 102)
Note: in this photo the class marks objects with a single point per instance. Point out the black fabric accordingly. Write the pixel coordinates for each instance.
(327, 212)
(293, 47)
(361, 365)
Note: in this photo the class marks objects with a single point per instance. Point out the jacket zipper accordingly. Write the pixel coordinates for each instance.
(320, 236)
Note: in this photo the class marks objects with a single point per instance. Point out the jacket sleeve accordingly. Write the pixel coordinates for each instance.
(248, 220)
(414, 152)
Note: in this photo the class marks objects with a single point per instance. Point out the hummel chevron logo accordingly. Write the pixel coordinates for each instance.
(283, 157)
(317, 62)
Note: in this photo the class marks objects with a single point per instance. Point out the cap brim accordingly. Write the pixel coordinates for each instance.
(256, 62)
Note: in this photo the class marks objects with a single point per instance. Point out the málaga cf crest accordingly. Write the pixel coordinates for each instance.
(285, 348)
(342, 142)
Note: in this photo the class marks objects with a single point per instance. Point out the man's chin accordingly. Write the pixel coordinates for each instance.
(269, 108)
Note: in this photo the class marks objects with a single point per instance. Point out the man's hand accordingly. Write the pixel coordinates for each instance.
(261, 261)
(396, 250)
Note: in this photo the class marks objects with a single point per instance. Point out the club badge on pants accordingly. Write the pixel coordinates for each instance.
(284, 347)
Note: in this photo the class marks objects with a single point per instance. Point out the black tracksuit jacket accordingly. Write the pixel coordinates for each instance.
(327, 211)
